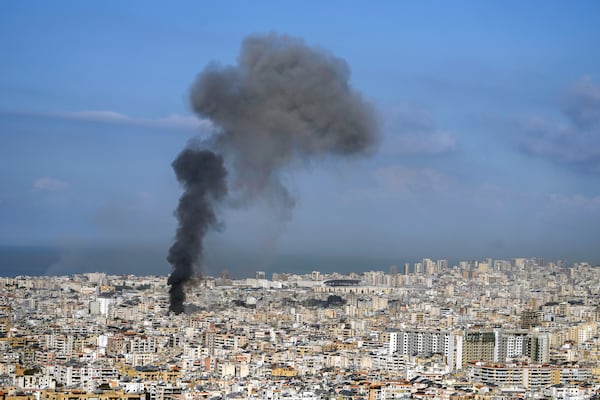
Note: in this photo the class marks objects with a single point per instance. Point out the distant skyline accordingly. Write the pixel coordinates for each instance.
(50, 261)
(490, 116)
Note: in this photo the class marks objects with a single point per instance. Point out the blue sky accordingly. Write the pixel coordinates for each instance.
(490, 115)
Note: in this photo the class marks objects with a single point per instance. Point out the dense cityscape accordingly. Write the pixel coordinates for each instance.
(487, 329)
(218, 200)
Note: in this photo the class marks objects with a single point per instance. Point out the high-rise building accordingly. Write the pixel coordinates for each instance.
(414, 342)
(6, 315)
(260, 275)
(429, 267)
(539, 261)
(539, 348)
(530, 318)
(478, 346)
(418, 268)
(442, 265)
(511, 344)
(484, 266)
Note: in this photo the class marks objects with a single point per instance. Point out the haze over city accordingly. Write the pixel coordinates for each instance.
(488, 144)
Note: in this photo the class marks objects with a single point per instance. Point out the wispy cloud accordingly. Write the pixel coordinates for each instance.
(400, 179)
(582, 103)
(177, 121)
(395, 182)
(575, 202)
(411, 130)
(574, 143)
(49, 184)
(139, 216)
(172, 121)
(426, 186)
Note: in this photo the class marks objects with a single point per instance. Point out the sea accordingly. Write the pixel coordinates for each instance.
(151, 260)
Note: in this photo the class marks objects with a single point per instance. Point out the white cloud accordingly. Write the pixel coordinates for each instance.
(412, 130)
(399, 179)
(171, 121)
(396, 181)
(49, 184)
(174, 121)
(430, 143)
(575, 143)
(582, 103)
(98, 115)
(401, 182)
(575, 202)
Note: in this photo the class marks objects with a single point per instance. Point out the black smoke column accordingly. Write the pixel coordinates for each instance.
(202, 175)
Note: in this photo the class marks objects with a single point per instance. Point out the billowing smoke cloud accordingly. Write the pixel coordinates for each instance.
(281, 105)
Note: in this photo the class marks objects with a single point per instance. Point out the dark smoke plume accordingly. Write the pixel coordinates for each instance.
(282, 104)
(202, 174)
